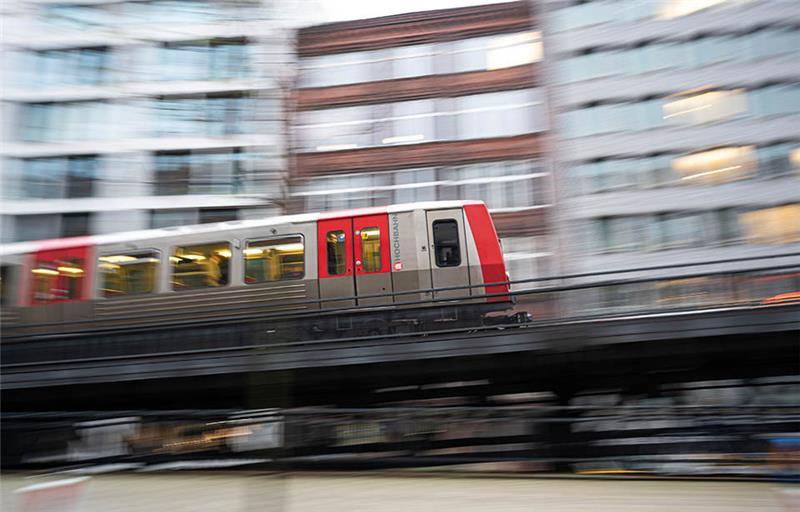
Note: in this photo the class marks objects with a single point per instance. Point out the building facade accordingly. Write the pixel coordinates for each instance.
(427, 106)
(124, 115)
(678, 127)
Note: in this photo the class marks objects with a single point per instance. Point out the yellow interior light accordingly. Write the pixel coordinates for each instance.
(70, 270)
(117, 258)
(225, 253)
(45, 271)
(196, 257)
(290, 247)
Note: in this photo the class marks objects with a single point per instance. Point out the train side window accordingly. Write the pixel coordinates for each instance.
(371, 249)
(128, 273)
(57, 279)
(199, 266)
(275, 259)
(445, 243)
(335, 242)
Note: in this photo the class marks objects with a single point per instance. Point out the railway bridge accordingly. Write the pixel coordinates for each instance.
(637, 330)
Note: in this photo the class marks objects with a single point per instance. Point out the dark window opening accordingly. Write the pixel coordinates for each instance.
(445, 242)
(218, 215)
(5, 289)
(74, 224)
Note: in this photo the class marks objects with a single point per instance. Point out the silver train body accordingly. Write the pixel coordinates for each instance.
(423, 259)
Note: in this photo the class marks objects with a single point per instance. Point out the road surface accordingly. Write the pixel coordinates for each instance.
(199, 492)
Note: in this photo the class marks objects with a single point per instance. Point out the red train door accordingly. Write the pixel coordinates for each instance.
(372, 265)
(335, 256)
(59, 275)
(60, 283)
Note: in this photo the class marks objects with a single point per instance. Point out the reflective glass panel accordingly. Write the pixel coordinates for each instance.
(335, 245)
(128, 273)
(276, 259)
(199, 266)
(371, 249)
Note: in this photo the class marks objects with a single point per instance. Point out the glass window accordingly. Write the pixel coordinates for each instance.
(81, 175)
(337, 129)
(128, 273)
(513, 50)
(371, 249)
(57, 279)
(168, 218)
(198, 266)
(681, 229)
(415, 186)
(209, 215)
(74, 224)
(727, 227)
(670, 9)
(42, 178)
(778, 160)
(413, 121)
(716, 166)
(275, 259)
(412, 61)
(622, 233)
(445, 242)
(335, 246)
(779, 225)
(36, 227)
(470, 54)
(172, 174)
(705, 107)
(496, 114)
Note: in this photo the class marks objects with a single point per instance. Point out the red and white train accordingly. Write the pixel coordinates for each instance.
(416, 263)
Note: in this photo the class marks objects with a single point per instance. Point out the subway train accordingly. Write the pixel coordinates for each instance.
(400, 268)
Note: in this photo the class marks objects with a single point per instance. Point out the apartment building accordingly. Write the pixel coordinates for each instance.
(431, 105)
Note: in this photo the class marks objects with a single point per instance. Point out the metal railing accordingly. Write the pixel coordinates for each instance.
(578, 297)
(718, 294)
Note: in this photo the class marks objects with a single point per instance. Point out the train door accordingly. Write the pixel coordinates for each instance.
(335, 246)
(448, 252)
(60, 283)
(373, 272)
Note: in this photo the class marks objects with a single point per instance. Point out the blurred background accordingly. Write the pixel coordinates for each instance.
(603, 135)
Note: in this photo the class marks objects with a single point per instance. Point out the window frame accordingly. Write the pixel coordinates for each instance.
(157, 279)
(246, 245)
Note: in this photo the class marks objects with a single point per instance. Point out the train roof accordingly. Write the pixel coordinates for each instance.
(147, 234)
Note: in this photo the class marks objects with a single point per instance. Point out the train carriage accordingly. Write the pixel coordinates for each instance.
(416, 263)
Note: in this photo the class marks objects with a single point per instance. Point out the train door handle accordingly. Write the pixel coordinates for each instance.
(358, 263)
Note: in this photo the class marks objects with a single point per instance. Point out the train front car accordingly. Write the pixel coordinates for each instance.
(409, 268)
(446, 264)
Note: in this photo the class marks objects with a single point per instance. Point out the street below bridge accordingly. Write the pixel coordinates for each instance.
(234, 491)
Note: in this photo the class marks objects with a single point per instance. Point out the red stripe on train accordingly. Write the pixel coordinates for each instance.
(493, 267)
